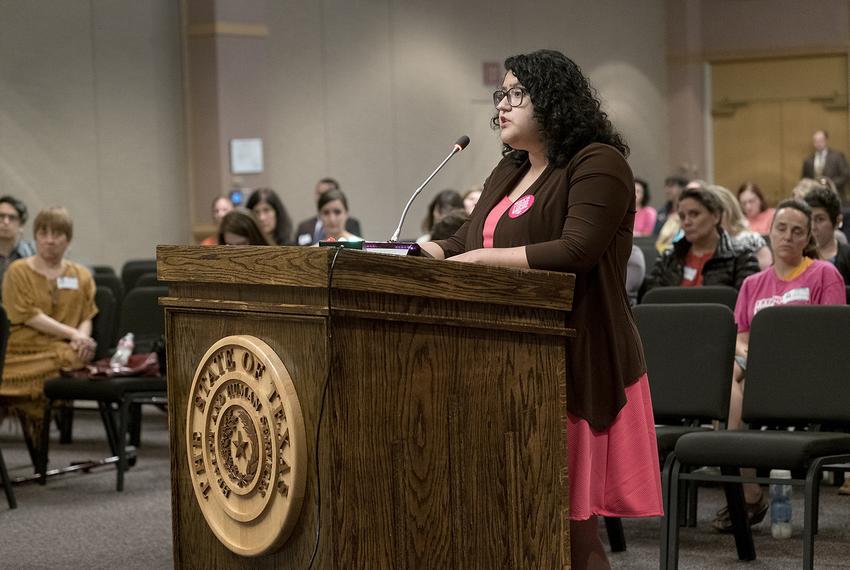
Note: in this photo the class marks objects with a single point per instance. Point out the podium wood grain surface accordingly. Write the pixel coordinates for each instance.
(443, 440)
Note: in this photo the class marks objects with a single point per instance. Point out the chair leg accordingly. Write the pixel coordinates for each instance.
(816, 485)
(65, 423)
(123, 423)
(7, 484)
(135, 424)
(41, 467)
(108, 417)
(670, 535)
(616, 536)
(809, 516)
(35, 456)
(693, 490)
(738, 514)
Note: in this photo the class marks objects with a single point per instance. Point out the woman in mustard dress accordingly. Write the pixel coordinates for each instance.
(50, 305)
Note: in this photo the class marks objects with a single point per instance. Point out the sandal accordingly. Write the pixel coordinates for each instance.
(755, 514)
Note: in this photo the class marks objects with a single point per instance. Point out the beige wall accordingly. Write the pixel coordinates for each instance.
(91, 118)
(373, 92)
(699, 31)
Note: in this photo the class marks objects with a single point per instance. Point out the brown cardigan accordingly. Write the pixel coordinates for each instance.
(581, 222)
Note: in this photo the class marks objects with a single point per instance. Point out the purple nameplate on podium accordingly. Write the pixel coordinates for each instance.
(385, 247)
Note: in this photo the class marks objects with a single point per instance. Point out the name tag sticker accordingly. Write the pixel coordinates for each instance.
(68, 283)
(690, 273)
(800, 295)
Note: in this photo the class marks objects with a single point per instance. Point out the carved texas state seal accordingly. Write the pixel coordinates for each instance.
(246, 445)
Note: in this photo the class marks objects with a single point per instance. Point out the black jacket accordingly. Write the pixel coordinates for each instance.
(307, 233)
(730, 265)
(842, 261)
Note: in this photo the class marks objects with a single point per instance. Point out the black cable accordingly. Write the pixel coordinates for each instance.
(318, 439)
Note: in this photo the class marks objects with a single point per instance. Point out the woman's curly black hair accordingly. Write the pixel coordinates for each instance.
(565, 106)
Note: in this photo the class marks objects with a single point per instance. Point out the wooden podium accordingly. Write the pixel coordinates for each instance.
(442, 441)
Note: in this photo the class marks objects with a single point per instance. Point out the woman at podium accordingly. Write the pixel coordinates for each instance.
(562, 199)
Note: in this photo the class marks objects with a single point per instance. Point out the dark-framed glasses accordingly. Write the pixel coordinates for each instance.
(515, 96)
(9, 218)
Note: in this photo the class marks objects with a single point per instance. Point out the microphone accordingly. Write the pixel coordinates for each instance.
(459, 145)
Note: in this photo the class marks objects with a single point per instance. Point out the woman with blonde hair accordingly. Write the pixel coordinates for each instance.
(736, 225)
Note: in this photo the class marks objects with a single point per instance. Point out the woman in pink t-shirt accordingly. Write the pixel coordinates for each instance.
(797, 277)
(646, 215)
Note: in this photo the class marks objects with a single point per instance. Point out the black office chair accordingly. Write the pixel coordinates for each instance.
(690, 375)
(114, 284)
(101, 269)
(720, 294)
(118, 397)
(4, 342)
(104, 326)
(650, 255)
(134, 269)
(793, 378)
(644, 240)
(149, 280)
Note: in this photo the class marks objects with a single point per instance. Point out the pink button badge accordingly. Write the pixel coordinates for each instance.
(521, 206)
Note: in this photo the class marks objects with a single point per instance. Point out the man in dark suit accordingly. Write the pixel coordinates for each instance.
(826, 162)
(310, 231)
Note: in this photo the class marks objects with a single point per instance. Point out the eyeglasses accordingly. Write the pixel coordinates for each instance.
(514, 95)
(9, 218)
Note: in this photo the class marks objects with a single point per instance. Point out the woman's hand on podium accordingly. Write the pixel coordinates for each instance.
(503, 256)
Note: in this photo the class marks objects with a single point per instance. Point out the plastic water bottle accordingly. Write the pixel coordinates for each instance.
(780, 505)
(123, 351)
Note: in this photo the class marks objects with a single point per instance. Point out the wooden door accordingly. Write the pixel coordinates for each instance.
(764, 113)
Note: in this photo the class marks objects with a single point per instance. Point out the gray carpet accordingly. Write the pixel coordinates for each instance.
(79, 520)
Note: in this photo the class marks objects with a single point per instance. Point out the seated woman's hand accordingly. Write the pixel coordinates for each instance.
(84, 346)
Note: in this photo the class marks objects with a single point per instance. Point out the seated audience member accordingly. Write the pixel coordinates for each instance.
(333, 213)
(239, 228)
(50, 304)
(310, 230)
(673, 186)
(705, 255)
(806, 185)
(645, 215)
(442, 204)
(271, 216)
(755, 208)
(736, 226)
(13, 216)
(826, 219)
(635, 273)
(449, 225)
(671, 230)
(797, 277)
(470, 198)
(220, 207)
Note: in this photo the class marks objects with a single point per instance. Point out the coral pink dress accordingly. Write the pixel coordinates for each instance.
(614, 471)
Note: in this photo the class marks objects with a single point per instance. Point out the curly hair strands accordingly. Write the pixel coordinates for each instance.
(565, 106)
